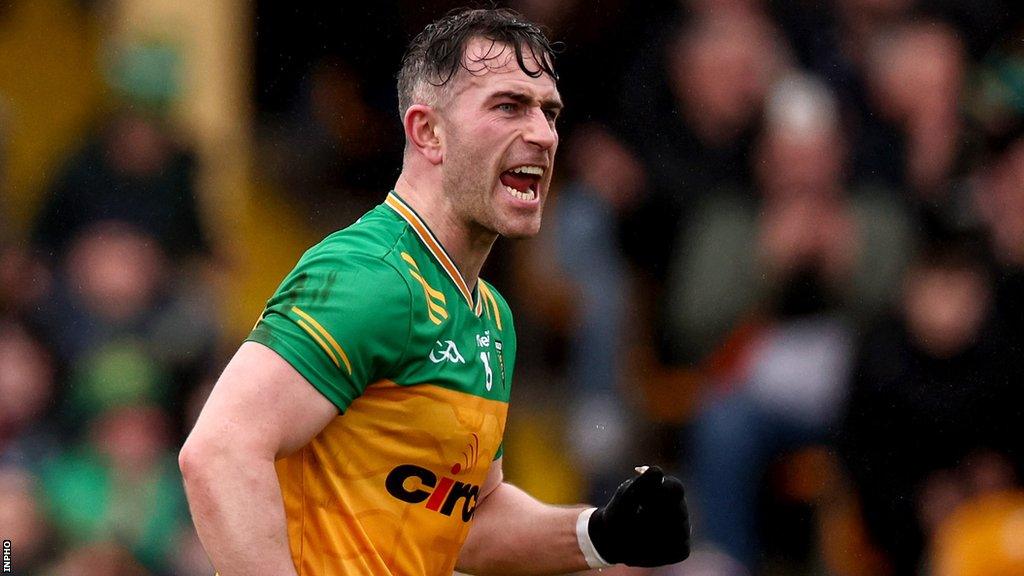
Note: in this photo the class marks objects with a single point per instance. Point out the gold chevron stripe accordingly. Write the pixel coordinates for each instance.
(430, 290)
(432, 245)
(433, 308)
(327, 335)
(492, 302)
(438, 308)
(483, 298)
(487, 309)
(435, 311)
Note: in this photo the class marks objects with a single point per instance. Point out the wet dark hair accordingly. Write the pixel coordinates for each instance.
(435, 54)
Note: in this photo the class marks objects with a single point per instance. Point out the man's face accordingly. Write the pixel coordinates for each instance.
(499, 141)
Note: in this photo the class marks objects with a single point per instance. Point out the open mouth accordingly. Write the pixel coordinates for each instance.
(522, 181)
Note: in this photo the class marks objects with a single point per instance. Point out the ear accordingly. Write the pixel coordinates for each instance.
(423, 131)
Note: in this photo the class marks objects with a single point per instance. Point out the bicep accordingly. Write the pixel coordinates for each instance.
(262, 404)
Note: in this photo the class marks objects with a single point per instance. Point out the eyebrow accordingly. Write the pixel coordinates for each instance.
(545, 103)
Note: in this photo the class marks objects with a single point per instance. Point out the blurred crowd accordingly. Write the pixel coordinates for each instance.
(108, 335)
(783, 257)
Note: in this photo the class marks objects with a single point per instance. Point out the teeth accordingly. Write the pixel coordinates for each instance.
(535, 170)
(528, 195)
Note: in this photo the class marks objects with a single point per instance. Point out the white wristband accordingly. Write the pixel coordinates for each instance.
(593, 559)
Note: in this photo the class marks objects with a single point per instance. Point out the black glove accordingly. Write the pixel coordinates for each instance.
(645, 523)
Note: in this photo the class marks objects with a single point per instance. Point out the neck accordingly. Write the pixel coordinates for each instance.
(468, 244)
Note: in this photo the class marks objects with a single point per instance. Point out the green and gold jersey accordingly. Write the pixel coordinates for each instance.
(378, 319)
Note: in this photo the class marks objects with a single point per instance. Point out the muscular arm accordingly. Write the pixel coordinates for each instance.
(515, 534)
(261, 409)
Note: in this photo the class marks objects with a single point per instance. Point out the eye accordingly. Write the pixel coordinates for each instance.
(551, 114)
(508, 107)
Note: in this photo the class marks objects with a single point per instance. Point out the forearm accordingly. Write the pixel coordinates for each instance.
(514, 534)
(238, 512)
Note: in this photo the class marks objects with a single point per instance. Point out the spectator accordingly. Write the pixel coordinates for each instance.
(132, 169)
(122, 485)
(116, 285)
(898, 75)
(790, 271)
(915, 74)
(935, 401)
(27, 387)
(807, 240)
(999, 201)
(691, 108)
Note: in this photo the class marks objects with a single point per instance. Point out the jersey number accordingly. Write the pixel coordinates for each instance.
(486, 358)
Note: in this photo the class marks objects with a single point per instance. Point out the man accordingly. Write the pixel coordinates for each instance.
(358, 431)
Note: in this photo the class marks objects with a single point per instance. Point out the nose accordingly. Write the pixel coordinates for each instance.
(539, 130)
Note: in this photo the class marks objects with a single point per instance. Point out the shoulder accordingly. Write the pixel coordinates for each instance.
(349, 281)
(367, 251)
(375, 235)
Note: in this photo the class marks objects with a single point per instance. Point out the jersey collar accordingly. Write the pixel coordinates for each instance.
(436, 250)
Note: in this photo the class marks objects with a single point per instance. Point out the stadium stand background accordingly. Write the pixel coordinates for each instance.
(784, 257)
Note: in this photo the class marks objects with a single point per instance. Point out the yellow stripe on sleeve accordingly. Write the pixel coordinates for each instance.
(327, 335)
(319, 341)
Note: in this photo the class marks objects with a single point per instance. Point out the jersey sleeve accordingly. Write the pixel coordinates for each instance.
(342, 320)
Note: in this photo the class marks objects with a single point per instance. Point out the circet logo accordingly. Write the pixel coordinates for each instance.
(415, 484)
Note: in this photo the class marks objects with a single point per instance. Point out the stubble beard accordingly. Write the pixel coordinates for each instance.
(467, 183)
